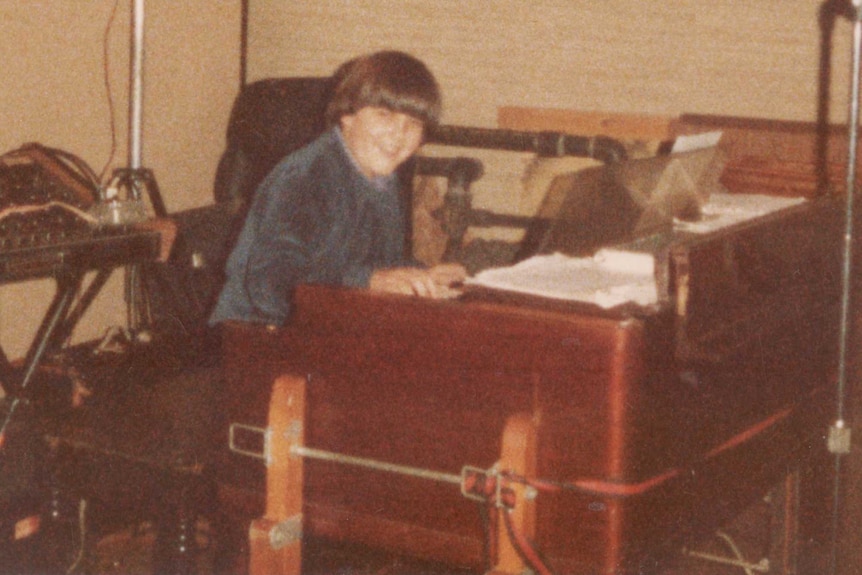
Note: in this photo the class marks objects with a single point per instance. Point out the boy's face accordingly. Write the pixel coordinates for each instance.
(381, 139)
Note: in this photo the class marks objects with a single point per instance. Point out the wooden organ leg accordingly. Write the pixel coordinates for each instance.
(517, 458)
(275, 540)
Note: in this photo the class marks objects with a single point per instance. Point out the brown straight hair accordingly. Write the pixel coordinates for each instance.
(389, 79)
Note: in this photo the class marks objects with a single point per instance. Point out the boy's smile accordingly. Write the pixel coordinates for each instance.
(380, 139)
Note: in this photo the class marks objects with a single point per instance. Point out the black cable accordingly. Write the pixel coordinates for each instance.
(488, 543)
(79, 167)
(525, 548)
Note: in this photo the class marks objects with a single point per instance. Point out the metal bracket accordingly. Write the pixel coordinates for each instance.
(292, 432)
(266, 433)
(286, 533)
(839, 438)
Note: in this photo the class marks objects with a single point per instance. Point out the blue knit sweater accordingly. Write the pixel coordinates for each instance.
(315, 219)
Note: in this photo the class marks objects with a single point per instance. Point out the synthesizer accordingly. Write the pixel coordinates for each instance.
(45, 223)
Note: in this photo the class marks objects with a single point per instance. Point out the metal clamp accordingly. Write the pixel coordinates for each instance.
(469, 471)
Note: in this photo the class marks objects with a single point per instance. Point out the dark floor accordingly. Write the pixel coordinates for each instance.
(98, 541)
(130, 553)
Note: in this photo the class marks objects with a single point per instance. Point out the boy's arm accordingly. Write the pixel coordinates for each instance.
(279, 259)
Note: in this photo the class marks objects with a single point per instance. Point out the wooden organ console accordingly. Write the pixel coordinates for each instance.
(653, 425)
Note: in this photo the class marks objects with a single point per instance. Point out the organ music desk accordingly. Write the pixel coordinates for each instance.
(654, 425)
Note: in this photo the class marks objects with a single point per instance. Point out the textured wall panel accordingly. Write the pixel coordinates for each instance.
(733, 57)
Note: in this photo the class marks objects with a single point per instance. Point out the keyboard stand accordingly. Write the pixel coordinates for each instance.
(46, 338)
(100, 254)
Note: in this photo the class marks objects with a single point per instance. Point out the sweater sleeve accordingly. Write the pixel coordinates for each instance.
(358, 276)
(279, 258)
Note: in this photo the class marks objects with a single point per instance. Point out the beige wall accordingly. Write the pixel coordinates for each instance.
(52, 91)
(734, 57)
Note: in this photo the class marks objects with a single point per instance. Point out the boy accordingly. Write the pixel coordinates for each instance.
(330, 213)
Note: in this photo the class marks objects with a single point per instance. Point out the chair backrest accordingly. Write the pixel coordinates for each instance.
(270, 119)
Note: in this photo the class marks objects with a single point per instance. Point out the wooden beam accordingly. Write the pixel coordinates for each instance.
(613, 125)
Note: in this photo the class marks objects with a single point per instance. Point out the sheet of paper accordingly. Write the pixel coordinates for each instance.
(723, 210)
(608, 279)
(695, 142)
(616, 276)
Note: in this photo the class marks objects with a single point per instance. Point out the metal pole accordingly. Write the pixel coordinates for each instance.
(839, 438)
(853, 133)
(135, 170)
(321, 455)
(136, 87)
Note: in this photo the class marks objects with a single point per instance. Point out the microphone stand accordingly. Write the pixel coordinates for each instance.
(839, 433)
(135, 179)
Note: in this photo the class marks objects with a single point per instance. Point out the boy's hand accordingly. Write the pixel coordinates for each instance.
(431, 283)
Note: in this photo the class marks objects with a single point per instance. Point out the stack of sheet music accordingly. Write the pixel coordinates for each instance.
(612, 277)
